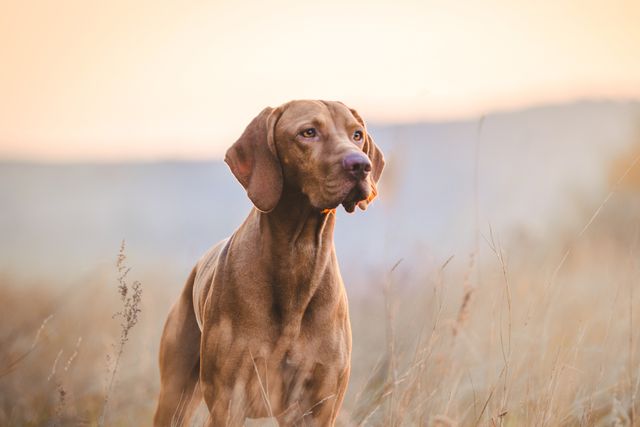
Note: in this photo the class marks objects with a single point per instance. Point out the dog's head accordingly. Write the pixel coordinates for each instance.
(319, 148)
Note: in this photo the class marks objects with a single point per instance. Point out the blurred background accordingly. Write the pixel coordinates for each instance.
(511, 197)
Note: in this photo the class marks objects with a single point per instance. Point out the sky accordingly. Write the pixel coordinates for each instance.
(86, 80)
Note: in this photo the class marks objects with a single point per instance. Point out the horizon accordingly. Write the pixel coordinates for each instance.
(219, 157)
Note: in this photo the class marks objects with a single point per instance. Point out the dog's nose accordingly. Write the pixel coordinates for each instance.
(357, 165)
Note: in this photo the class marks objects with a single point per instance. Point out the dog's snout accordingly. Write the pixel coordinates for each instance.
(357, 165)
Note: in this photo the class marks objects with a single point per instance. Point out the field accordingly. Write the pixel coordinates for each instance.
(520, 331)
(523, 330)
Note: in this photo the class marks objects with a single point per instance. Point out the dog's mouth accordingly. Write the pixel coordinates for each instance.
(359, 193)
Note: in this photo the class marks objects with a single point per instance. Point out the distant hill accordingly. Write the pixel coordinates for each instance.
(64, 220)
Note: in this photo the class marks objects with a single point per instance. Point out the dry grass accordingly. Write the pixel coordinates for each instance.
(521, 358)
(72, 368)
(549, 337)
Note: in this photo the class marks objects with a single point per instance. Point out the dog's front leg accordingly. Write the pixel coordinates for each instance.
(224, 371)
(226, 403)
(320, 404)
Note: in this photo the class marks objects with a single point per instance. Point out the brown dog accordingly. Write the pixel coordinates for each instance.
(262, 326)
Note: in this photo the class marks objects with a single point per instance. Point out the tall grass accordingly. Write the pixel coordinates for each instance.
(517, 358)
(524, 331)
(131, 297)
(53, 380)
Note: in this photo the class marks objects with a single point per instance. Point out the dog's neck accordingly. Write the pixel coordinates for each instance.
(297, 240)
(295, 224)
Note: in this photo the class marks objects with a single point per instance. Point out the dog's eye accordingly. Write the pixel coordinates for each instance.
(309, 133)
(357, 135)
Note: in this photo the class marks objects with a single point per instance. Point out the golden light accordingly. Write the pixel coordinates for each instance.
(147, 79)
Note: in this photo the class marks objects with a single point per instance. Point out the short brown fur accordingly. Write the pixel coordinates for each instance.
(262, 325)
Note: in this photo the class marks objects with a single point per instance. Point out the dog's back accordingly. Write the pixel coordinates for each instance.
(204, 270)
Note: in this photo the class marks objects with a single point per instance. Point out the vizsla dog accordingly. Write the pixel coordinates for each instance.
(262, 328)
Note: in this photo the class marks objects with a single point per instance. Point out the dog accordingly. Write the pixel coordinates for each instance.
(262, 328)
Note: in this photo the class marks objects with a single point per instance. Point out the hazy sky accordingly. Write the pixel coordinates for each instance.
(149, 79)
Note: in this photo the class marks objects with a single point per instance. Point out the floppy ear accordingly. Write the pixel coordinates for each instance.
(254, 161)
(377, 161)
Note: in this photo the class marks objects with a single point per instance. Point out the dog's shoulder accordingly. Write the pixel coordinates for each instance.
(205, 269)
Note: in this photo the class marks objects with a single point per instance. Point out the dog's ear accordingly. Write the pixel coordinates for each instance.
(253, 159)
(377, 161)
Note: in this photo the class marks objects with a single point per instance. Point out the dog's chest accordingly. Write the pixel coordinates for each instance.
(308, 362)
(304, 351)
(314, 345)
(298, 371)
